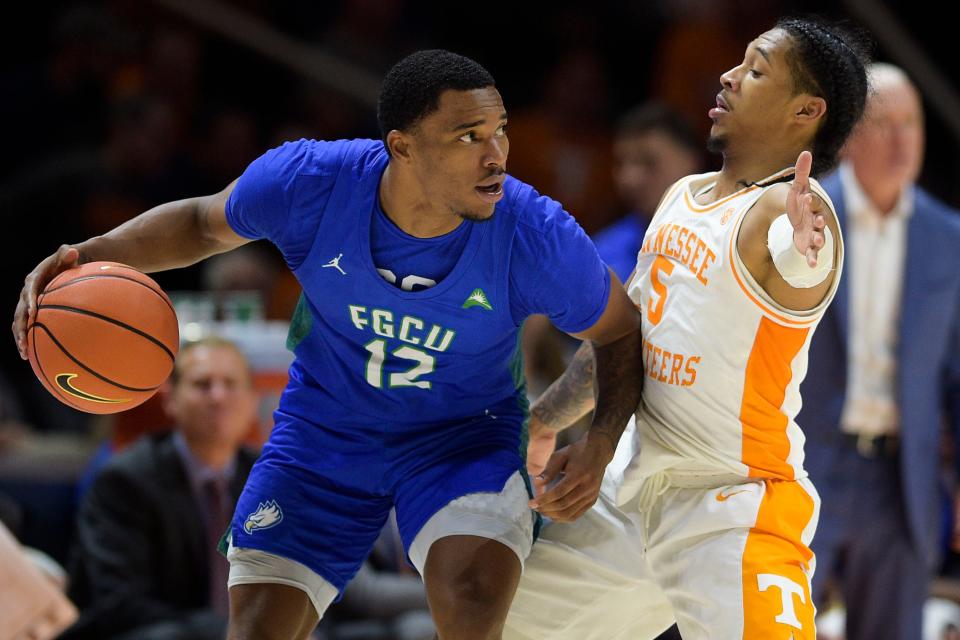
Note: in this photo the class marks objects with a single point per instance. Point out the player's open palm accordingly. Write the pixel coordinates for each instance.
(65, 258)
(805, 211)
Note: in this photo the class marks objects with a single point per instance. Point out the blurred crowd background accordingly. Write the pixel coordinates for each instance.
(112, 107)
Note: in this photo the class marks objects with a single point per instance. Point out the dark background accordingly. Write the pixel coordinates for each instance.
(109, 108)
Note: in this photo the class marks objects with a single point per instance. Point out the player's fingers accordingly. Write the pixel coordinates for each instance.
(817, 240)
(811, 257)
(802, 169)
(555, 465)
(20, 325)
(68, 257)
(819, 222)
(575, 509)
(572, 489)
(561, 505)
(551, 471)
(556, 494)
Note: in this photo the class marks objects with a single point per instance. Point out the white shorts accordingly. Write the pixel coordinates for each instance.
(734, 561)
(588, 580)
(504, 517)
(726, 562)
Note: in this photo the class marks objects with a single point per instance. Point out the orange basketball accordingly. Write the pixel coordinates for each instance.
(104, 338)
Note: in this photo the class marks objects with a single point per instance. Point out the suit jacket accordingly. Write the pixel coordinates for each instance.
(928, 356)
(139, 556)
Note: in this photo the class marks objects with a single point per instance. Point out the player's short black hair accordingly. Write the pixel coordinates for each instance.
(829, 61)
(656, 116)
(411, 90)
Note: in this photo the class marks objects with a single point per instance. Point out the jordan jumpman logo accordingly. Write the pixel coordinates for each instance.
(335, 263)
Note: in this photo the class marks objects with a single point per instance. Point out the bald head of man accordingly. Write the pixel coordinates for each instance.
(886, 149)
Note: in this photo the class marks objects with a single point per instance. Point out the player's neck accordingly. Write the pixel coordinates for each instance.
(412, 209)
(883, 193)
(215, 455)
(741, 171)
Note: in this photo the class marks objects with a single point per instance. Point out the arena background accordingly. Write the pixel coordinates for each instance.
(110, 108)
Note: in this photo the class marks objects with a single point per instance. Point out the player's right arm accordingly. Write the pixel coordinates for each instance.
(172, 235)
(566, 401)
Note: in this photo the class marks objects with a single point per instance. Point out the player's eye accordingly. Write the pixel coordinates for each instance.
(468, 137)
(755, 73)
(501, 130)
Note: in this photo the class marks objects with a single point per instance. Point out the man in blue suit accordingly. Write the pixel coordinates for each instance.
(884, 373)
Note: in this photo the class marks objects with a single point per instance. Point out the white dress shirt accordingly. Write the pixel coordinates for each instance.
(876, 250)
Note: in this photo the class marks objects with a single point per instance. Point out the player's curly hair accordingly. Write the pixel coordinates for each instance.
(411, 90)
(829, 61)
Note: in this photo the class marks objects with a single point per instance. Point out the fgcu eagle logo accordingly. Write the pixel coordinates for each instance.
(267, 515)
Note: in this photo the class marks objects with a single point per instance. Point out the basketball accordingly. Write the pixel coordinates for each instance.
(104, 338)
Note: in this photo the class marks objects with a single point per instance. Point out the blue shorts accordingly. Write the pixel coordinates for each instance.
(320, 497)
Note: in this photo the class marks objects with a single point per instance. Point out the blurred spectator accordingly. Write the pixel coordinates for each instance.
(230, 140)
(653, 148)
(562, 145)
(32, 604)
(12, 427)
(145, 565)
(386, 600)
(884, 371)
(256, 267)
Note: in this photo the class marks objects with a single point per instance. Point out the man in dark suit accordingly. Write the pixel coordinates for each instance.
(884, 373)
(145, 565)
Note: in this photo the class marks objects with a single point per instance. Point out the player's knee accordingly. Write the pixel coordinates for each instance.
(270, 612)
(470, 608)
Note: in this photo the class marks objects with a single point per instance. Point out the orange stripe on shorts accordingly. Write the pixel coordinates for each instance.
(776, 586)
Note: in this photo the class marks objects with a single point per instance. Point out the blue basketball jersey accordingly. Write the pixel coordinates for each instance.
(374, 357)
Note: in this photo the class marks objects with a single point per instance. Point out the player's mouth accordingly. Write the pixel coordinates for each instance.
(721, 108)
(490, 192)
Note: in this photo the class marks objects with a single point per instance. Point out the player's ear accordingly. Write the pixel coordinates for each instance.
(810, 108)
(399, 145)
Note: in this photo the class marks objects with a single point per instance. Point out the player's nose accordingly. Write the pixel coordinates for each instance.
(729, 79)
(495, 153)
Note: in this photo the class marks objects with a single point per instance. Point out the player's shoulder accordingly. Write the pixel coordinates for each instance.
(775, 190)
(326, 157)
(694, 182)
(529, 210)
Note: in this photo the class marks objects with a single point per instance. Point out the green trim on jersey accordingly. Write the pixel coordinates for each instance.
(300, 324)
(520, 383)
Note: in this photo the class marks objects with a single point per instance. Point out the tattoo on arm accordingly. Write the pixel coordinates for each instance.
(619, 381)
(571, 395)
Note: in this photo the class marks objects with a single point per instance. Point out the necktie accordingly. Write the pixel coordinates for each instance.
(218, 519)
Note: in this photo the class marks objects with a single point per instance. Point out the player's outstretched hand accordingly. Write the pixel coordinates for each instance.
(35, 282)
(542, 443)
(570, 483)
(805, 210)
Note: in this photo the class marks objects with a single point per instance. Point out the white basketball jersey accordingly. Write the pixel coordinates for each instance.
(723, 361)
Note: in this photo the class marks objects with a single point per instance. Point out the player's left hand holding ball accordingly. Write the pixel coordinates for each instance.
(65, 258)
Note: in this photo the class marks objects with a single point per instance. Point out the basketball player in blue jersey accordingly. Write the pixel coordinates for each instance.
(419, 260)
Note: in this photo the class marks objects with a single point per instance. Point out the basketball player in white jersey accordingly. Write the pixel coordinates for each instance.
(706, 514)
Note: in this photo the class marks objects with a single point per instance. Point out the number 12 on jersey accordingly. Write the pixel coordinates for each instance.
(424, 364)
